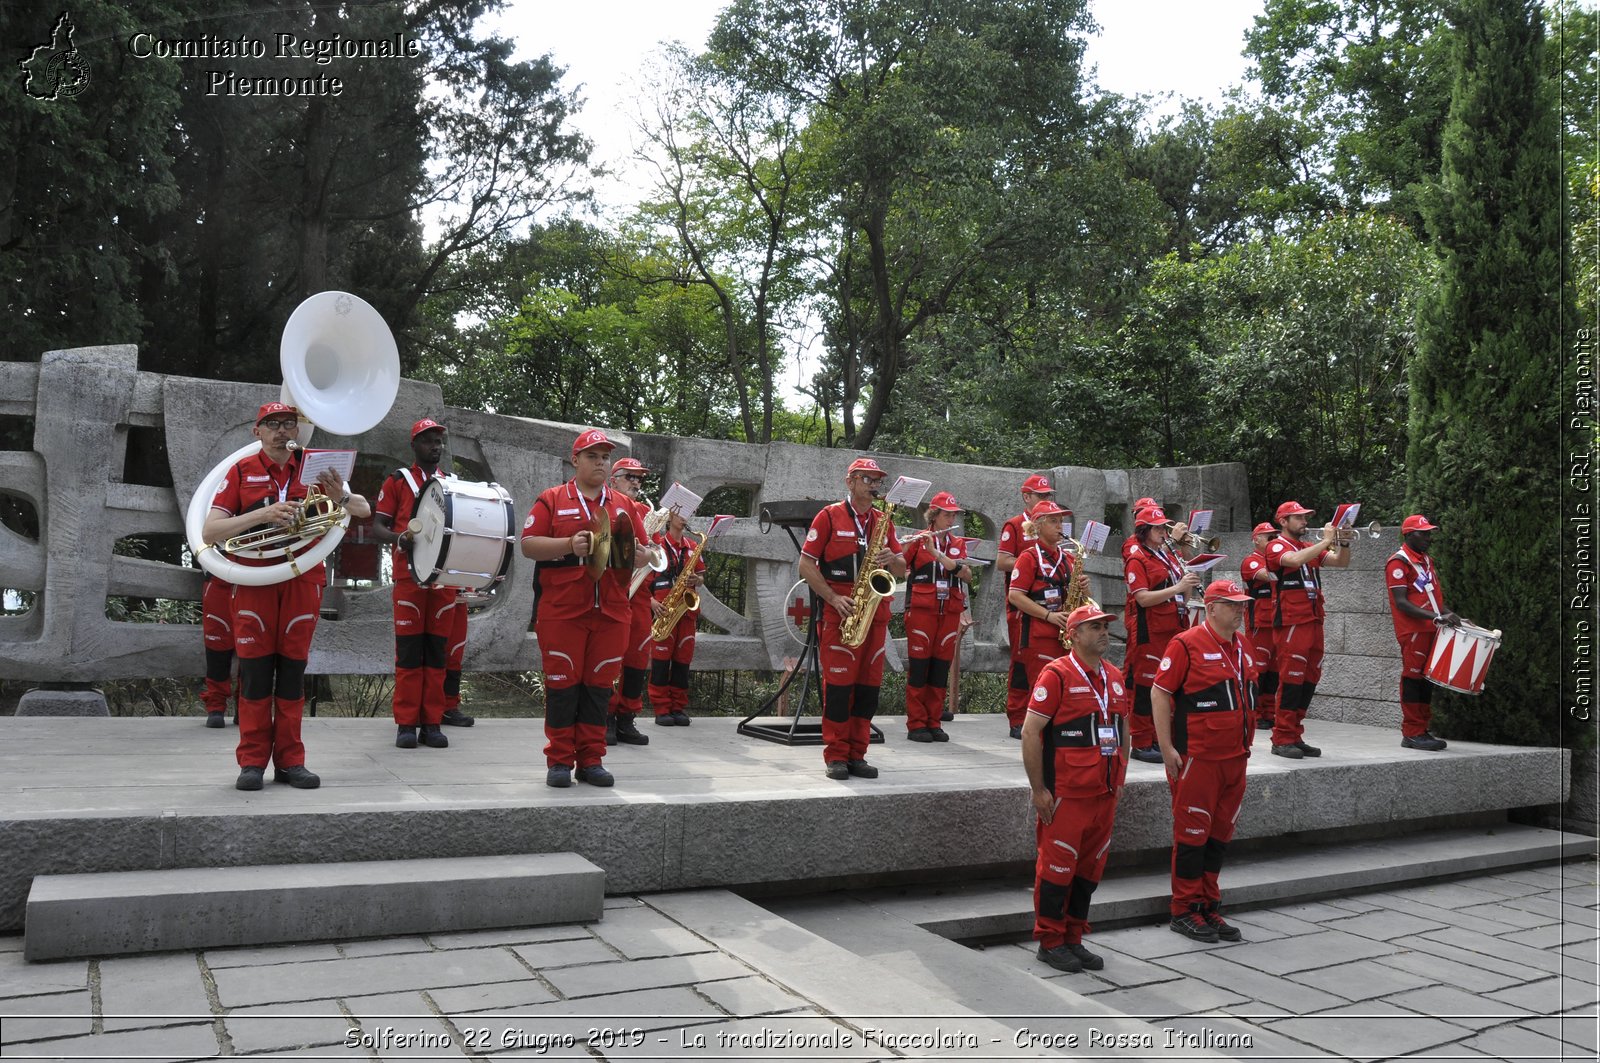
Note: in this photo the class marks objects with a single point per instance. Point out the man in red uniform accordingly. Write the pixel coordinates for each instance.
(1013, 541)
(1297, 613)
(273, 624)
(670, 658)
(1258, 623)
(1416, 602)
(833, 553)
(581, 624)
(935, 615)
(627, 480)
(1075, 745)
(424, 617)
(1041, 584)
(1204, 708)
(216, 627)
(1156, 610)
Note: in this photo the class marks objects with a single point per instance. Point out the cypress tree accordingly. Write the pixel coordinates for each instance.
(1483, 460)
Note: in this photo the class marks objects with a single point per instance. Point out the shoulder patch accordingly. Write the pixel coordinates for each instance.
(1166, 662)
(811, 536)
(1039, 693)
(1397, 573)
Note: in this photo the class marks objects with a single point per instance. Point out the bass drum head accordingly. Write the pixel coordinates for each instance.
(433, 516)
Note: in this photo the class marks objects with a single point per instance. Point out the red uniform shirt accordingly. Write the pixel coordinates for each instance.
(1078, 703)
(927, 579)
(565, 590)
(1254, 574)
(1152, 570)
(1043, 574)
(1297, 596)
(1414, 573)
(677, 551)
(837, 538)
(255, 483)
(397, 500)
(1212, 684)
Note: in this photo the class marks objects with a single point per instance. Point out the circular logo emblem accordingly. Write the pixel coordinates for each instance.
(1039, 694)
(811, 536)
(1166, 662)
(1116, 688)
(528, 523)
(1132, 578)
(1397, 574)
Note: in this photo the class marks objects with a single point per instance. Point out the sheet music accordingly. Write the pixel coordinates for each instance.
(342, 462)
(680, 500)
(1199, 521)
(1345, 516)
(908, 491)
(1204, 562)
(1094, 536)
(719, 524)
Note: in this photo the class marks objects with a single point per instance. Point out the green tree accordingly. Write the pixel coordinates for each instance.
(1484, 455)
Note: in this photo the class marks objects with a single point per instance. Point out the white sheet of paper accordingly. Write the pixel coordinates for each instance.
(680, 500)
(908, 491)
(1347, 515)
(719, 524)
(1205, 562)
(342, 462)
(1200, 521)
(1094, 536)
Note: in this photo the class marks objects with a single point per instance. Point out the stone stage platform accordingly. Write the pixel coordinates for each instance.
(699, 807)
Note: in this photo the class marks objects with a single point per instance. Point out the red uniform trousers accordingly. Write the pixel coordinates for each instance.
(1018, 688)
(216, 625)
(669, 667)
(454, 655)
(1416, 693)
(1140, 664)
(851, 678)
(1206, 797)
(1299, 668)
(628, 698)
(1044, 646)
(272, 633)
(1264, 648)
(581, 658)
(931, 636)
(1072, 857)
(424, 618)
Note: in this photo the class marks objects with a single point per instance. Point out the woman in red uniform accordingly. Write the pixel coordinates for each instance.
(935, 614)
(671, 657)
(1156, 611)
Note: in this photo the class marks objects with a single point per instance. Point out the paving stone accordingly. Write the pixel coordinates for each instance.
(1221, 971)
(1579, 1031)
(1307, 952)
(1515, 972)
(159, 990)
(1549, 996)
(1551, 905)
(322, 979)
(383, 946)
(744, 997)
(1513, 916)
(1506, 885)
(1437, 968)
(1353, 904)
(1588, 951)
(425, 1039)
(1494, 949)
(1264, 1044)
(1383, 924)
(1264, 924)
(1313, 912)
(1361, 980)
(467, 999)
(550, 954)
(645, 974)
(19, 978)
(622, 902)
(742, 1039)
(521, 1030)
(47, 1015)
(1370, 1030)
(1462, 917)
(1447, 895)
(378, 1006)
(639, 933)
(1580, 967)
(1147, 942)
(1185, 996)
(1554, 936)
(270, 954)
(1457, 1006)
(1511, 1043)
(474, 939)
(192, 1041)
(280, 1027)
(1120, 971)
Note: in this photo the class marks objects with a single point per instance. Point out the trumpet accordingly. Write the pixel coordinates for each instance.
(1348, 537)
(1191, 541)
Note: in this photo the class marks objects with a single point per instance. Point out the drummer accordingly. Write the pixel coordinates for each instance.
(424, 617)
(1416, 601)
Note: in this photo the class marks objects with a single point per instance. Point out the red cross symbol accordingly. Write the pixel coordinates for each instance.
(800, 612)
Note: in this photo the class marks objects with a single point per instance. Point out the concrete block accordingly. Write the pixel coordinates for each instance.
(63, 703)
(148, 911)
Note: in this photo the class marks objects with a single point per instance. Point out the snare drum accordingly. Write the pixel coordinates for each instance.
(1461, 656)
(464, 535)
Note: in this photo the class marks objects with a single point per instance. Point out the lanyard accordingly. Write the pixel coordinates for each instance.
(1236, 666)
(1102, 697)
(588, 514)
(1048, 571)
(1172, 563)
(288, 475)
(863, 527)
(1427, 567)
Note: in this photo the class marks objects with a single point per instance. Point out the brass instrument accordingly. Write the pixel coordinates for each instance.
(1074, 599)
(1191, 541)
(315, 515)
(656, 558)
(1348, 537)
(680, 599)
(608, 547)
(872, 586)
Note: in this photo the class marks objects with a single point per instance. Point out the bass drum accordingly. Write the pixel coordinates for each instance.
(464, 535)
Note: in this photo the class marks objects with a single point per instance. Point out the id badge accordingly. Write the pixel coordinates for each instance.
(1311, 594)
(1052, 598)
(1108, 740)
(941, 589)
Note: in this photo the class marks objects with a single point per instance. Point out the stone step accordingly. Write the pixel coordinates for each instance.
(109, 913)
(1251, 880)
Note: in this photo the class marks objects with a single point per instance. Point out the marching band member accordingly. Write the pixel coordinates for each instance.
(935, 615)
(1297, 613)
(627, 479)
(1133, 540)
(1203, 704)
(1157, 584)
(1040, 584)
(1075, 750)
(670, 658)
(1416, 604)
(457, 653)
(216, 628)
(582, 625)
(1258, 623)
(833, 555)
(1178, 531)
(273, 624)
(1013, 542)
(424, 617)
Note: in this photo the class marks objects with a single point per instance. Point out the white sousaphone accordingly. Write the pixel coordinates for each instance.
(341, 370)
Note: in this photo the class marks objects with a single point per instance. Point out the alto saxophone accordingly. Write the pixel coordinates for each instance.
(872, 585)
(680, 599)
(1076, 598)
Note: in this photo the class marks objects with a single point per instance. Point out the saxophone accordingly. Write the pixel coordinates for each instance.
(680, 599)
(1075, 598)
(873, 585)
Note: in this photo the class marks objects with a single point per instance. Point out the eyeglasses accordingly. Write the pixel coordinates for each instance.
(279, 426)
(633, 478)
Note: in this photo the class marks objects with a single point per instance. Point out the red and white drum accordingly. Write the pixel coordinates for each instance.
(465, 535)
(1461, 656)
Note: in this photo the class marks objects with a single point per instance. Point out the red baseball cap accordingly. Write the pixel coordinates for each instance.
(1045, 508)
(627, 465)
(1085, 613)
(946, 501)
(590, 439)
(1038, 485)
(1416, 522)
(270, 408)
(1263, 529)
(1145, 503)
(1152, 516)
(1226, 590)
(427, 424)
(864, 465)
(1290, 509)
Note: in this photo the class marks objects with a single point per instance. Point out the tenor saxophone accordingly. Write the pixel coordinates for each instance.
(872, 586)
(680, 599)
